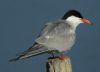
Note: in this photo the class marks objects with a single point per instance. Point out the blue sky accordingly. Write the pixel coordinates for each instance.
(22, 21)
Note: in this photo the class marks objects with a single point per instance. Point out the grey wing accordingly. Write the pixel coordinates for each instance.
(52, 30)
(32, 51)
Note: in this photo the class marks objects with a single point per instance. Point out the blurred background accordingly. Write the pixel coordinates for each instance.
(21, 22)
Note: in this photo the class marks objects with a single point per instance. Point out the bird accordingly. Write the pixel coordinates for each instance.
(57, 36)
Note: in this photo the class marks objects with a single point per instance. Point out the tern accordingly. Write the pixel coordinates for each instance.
(57, 36)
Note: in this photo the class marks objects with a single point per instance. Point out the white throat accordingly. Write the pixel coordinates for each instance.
(74, 21)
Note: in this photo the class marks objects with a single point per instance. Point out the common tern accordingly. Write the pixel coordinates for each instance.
(56, 36)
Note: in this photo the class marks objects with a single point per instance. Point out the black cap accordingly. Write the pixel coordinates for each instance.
(72, 13)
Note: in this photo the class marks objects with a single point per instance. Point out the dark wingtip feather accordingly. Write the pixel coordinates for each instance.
(13, 60)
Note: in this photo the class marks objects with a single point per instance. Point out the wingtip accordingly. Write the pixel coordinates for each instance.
(13, 60)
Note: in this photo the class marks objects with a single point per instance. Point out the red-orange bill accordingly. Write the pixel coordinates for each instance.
(86, 21)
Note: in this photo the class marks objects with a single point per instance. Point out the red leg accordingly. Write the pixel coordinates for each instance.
(62, 57)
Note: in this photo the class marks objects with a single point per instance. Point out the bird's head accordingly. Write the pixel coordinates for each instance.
(75, 18)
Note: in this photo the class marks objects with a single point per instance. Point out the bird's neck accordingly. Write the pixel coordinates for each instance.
(74, 25)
